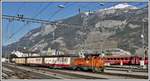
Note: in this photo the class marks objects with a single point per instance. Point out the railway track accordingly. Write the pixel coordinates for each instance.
(127, 69)
(55, 74)
(70, 74)
(18, 73)
(106, 75)
(15, 75)
(109, 74)
(128, 66)
(135, 75)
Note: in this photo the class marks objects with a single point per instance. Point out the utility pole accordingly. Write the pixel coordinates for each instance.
(143, 46)
(85, 22)
(143, 41)
(9, 41)
(53, 35)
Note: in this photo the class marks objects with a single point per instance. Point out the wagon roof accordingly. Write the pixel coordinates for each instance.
(122, 56)
(68, 55)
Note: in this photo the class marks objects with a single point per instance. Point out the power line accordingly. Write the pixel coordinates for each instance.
(10, 20)
(31, 20)
(36, 16)
(7, 41)
(60, 9)
(42, 10)
(7, 30)
(27, 22)
(16, 31)
(24, 19)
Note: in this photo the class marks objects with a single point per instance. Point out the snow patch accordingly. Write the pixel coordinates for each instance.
(36, 34)
(60, 41)
(123, 5)
(120, 6)
(48, 29)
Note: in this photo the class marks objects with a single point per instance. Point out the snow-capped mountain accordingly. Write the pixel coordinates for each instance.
(122, 6)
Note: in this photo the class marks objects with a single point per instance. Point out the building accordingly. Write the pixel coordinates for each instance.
(117, 51)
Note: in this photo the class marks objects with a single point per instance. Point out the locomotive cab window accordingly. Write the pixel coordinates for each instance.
(95, 57)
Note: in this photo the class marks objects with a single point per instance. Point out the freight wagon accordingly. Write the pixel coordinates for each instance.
(93, 63)
(20, 60)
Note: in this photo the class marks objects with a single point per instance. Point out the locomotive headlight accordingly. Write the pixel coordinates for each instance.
(87, 61)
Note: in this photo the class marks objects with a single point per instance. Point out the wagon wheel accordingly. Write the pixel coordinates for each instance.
(102, 69)
(74, 68)
(78, 69)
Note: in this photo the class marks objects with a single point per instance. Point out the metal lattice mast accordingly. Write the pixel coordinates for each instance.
(85, 24)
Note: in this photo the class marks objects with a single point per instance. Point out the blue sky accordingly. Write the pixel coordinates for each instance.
(31, 9)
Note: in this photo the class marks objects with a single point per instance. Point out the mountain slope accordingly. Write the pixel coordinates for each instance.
(112, 28)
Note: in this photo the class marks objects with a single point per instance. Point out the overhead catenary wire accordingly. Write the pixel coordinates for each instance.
(31, 20)
(60, 9)
(51, 15)
(37, 15)
(8, 41)
(17, 12)
(10, 20)
(34, 16)
(40, 12)
(7, 30)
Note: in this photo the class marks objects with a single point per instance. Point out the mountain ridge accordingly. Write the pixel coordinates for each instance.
(75, 31)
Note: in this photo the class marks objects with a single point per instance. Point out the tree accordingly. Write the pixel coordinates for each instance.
(11, 57)
(133, 51)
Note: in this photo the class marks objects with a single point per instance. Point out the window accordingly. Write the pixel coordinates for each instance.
(121, 58)
(146, 58)
(140, 58)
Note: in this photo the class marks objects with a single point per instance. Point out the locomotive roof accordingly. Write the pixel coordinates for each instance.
(92, 54)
